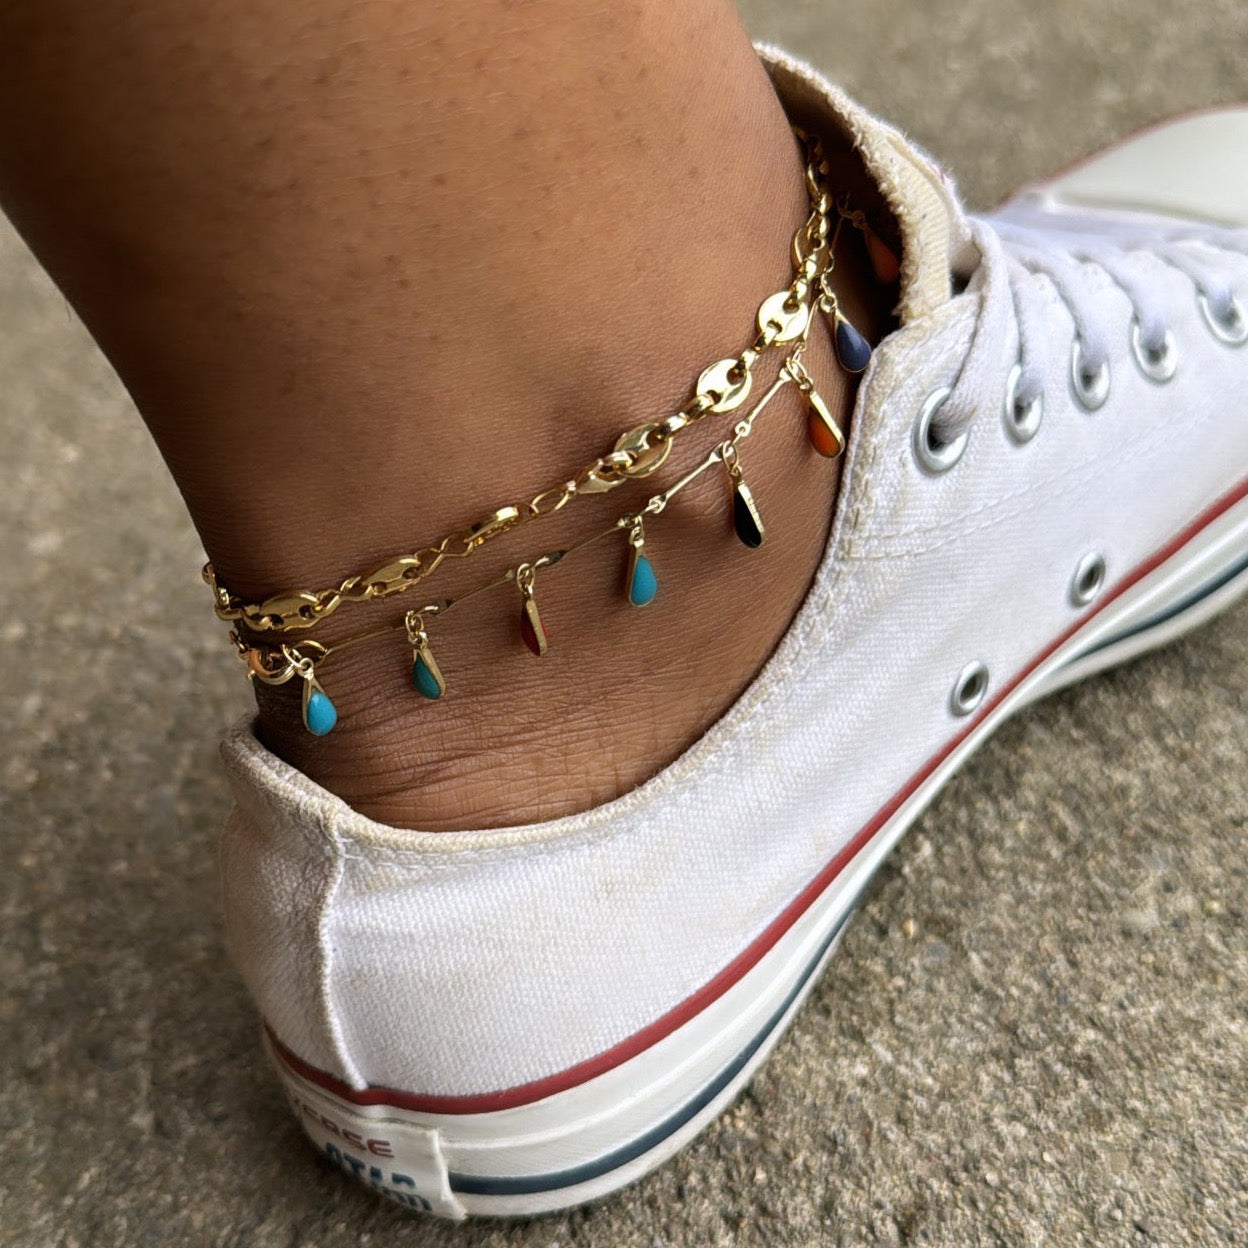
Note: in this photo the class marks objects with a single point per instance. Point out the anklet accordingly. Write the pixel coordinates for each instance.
(278, 664)
(782, 318)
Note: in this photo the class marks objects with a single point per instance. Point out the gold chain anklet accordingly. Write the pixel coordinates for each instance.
(782, 318)
(280, 663)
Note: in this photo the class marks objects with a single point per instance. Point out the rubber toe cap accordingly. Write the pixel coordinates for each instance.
(1195, 166)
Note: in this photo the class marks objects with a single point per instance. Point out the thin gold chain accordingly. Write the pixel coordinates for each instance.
(276, 664)
(782, 318)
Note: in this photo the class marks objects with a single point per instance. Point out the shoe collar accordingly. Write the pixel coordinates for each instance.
(932, 227)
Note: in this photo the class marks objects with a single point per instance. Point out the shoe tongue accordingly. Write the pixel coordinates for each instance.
(931, 226)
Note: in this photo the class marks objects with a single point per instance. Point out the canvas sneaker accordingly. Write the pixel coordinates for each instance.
(1047, 474)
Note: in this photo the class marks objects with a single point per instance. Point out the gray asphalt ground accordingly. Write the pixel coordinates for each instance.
(1036, 1031)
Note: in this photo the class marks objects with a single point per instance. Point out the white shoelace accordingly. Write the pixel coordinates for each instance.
(1020, 260)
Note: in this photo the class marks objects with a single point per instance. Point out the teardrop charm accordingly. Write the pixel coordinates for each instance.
(883, 259)
(642, 584)
(825, 434)
(745, 518)
(532, 630)
(319, 713)
(853, 351)
(426, 675)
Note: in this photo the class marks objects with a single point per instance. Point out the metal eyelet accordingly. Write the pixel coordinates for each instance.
(1232, 328)
(1091, 389)
(1022, 420)
(970, 689)
(934, 456)
(1089, 579)
(1159, 364)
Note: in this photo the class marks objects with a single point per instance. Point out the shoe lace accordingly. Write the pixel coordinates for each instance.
(1024, 264)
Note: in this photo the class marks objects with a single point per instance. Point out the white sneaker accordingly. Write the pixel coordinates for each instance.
(1047, 474)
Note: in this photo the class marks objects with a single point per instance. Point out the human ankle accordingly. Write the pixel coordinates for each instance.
(622, 692)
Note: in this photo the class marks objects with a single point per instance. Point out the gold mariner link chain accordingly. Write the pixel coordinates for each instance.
(783, 317)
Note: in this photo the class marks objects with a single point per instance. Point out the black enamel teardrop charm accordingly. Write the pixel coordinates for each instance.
(745, 518)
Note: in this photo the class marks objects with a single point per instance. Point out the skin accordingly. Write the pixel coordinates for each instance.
(371, 269)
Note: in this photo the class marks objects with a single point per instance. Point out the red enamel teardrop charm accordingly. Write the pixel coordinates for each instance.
(883, 259)
(532, 630)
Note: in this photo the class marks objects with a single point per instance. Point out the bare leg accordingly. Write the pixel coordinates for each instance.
(369, 269)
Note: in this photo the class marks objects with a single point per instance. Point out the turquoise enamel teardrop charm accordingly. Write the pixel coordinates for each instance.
(426, 675)
(319, 713)
(641, 582)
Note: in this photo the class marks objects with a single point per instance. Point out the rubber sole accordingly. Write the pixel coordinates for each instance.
(591, 1139)
(1177, 169)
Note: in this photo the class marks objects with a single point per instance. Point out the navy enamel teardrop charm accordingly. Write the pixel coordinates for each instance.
(853, 351)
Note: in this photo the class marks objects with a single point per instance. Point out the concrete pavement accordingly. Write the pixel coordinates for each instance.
(1036, 1031)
